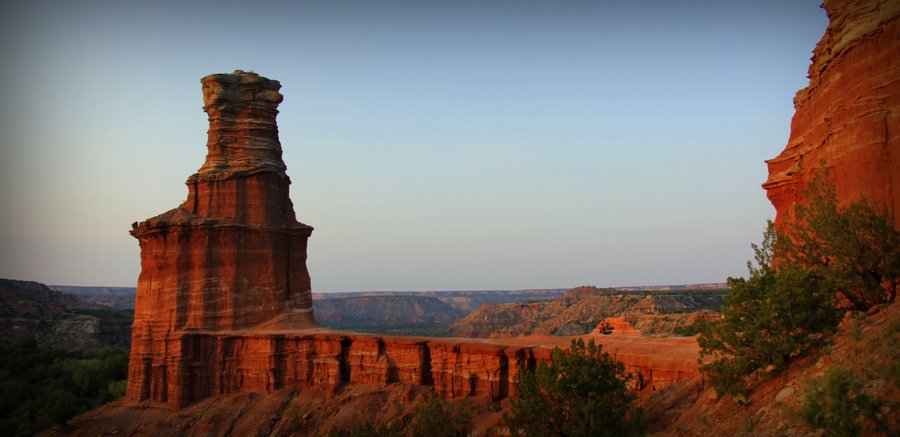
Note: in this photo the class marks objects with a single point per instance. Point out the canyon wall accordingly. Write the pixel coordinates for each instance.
(849, 114)
(192, 366)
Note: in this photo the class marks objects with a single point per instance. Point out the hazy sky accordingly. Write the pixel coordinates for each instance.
(433, 145)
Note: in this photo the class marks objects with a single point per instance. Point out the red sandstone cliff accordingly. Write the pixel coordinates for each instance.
(849, 115)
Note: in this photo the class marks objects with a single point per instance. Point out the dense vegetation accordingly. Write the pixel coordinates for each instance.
(582, 392)
(826, 261)
(41, 387)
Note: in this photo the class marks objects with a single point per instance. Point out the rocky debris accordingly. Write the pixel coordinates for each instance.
(849, 114)
(288, 412)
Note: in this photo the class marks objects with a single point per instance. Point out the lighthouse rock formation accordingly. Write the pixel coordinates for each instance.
(224, 304)
(233, 255)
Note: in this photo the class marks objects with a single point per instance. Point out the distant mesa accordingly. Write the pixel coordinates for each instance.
(581, 310)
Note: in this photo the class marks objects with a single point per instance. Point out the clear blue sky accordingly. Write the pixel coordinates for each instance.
(433, 145)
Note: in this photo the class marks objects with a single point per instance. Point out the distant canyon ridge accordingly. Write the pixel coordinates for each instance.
(653, 310)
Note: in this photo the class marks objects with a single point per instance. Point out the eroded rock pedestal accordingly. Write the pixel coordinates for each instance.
(233, 255)
(849, 115)
(224, 303)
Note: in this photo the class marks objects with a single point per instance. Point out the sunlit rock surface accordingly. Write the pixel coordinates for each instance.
(233, 255)
(849, 115)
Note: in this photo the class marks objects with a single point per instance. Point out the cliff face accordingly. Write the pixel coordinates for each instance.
(849, 115)
(196, 365)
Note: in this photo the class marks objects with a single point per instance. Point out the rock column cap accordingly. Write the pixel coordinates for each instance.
(239, 88)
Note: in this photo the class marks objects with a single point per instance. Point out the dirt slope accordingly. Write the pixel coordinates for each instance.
(865, 344)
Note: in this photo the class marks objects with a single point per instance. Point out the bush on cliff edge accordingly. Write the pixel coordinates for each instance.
(767, 318)
(856, 247)
(582, 392)
(823, 261)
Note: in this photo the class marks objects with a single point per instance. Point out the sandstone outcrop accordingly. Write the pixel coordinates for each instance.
(617, 326)
(224, 303)
(849, 114)
(198, 365)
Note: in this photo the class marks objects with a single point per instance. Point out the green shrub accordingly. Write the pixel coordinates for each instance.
(435, 417)
(856, 247)
(582, 392)
(439, 418)
(838, 404)
(767, 318)
(41, 387)
(792, 297)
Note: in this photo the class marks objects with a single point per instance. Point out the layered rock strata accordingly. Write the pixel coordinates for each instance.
(233, 255)
(849, 114)
(197, 365)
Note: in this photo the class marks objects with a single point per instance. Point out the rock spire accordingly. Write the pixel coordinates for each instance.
(233, 255)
